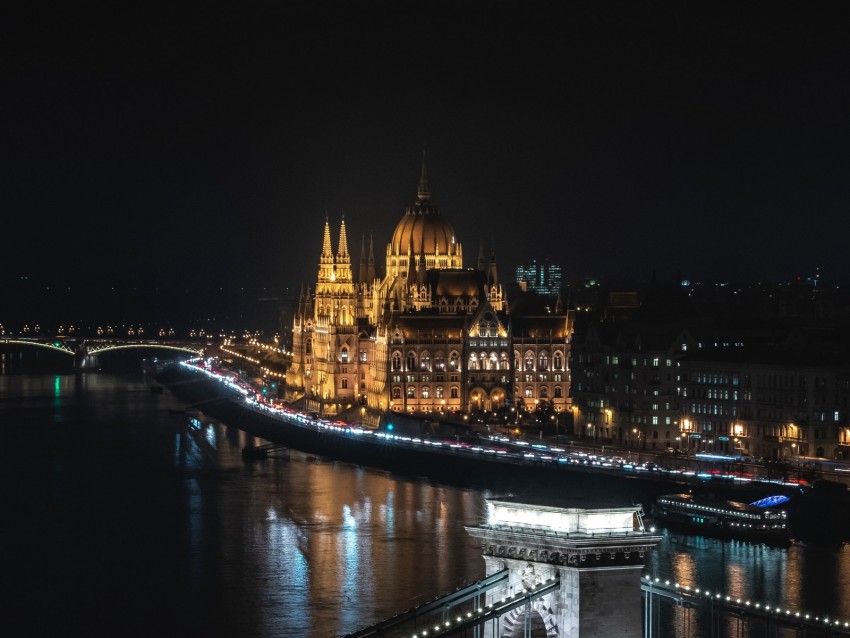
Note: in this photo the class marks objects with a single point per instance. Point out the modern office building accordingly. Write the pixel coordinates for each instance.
(541, 276)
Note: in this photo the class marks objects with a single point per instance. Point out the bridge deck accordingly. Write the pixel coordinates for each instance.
(719, 603)
(456, 613)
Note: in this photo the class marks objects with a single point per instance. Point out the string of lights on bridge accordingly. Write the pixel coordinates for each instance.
(482, 613)
(743, 604)
(776, 610)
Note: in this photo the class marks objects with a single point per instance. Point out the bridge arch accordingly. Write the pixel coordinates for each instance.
(86, 351)
(542, 622)
(56, 346)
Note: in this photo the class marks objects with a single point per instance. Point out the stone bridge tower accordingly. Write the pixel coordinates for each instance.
(598, 553)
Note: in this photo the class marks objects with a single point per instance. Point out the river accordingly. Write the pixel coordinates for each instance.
(122, 519)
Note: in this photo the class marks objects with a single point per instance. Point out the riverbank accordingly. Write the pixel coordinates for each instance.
(821, 514)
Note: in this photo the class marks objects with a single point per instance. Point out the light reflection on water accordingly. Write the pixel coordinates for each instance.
(126, 521)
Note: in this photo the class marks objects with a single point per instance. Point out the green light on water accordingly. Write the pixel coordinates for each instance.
(57, 387)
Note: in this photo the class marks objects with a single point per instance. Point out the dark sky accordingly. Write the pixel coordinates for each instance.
(154, 143)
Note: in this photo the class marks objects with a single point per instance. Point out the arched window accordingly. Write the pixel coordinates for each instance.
(453, 392)
(411, 392)
(453, 357)
(557, 392)
(503, 361)
(343, 315)
(529, 360)
(425, 361)
(396, 361)
(426, 392)
(343, 355)
(517, 360)
(492, 362)
(529, 392)
(473, 361)
(558, 361)
(543, 361)
(439, 392)
(396, 393)
(308, 347)
(544, 392)
(439, 361)
(487, 328)
(411, 361)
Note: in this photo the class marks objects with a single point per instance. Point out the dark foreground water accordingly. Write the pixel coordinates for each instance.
(120, 520)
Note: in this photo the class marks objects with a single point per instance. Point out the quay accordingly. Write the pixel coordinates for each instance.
(495, 465)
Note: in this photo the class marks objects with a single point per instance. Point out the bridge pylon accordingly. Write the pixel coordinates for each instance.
(82, 359)
(597, 553)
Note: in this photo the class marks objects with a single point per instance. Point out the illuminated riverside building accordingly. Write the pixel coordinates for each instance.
(429, 335)
(772, 404)
(657, 380)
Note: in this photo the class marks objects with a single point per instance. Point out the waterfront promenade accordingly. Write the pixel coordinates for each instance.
(501, 465)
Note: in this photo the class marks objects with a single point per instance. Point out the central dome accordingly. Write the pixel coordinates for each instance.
(422, 226)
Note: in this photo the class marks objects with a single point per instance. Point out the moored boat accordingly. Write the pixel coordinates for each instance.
(761, 521)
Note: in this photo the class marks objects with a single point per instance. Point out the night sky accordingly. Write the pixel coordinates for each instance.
(160, 144)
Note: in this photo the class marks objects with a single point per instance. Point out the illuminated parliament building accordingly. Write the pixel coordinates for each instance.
(425, 335)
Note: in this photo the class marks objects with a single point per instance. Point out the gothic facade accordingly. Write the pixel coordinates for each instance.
(427, 335)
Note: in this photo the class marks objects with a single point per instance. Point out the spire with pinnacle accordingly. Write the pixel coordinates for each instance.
(492, 275)
(361, 278)
(327, 251)
(342, 256)
(370, 268)
(326, 261)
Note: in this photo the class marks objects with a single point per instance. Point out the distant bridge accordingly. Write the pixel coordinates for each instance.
(86, 350)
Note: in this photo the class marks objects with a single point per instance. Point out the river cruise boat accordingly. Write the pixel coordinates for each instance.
(761, 521)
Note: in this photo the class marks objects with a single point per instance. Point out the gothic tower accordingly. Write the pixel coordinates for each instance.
(334, 348)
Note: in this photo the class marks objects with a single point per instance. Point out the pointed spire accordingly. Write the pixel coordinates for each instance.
(300, 306)
(327, 251)
(559, 306)
(481, 261)
(370, 269)
(492, 275)
(420, 272)
(423, 193)
(411, 263)
(342, 254)
(362, 274)
(308, 302)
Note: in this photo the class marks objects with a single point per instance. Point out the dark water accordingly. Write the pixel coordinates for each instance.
(118, 519)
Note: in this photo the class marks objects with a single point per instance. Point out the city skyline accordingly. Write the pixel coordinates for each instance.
(159, 147)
